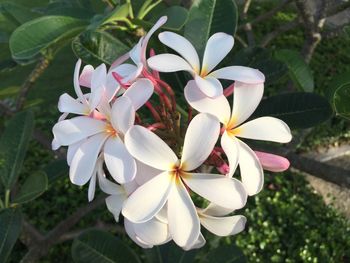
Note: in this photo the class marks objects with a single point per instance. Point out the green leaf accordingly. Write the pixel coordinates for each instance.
(10, 228)
(170, 253)
(56, 170)
(95, 47)
(263, 60)
(340, 94)
(177, 17)
(118, 14)
(298, 110)
(299, 71)
(13, 146)
(16, 14)
(98, 246)
(35, 185)
(207, 17)
(225, 254)
(7, 65)
(34, 37)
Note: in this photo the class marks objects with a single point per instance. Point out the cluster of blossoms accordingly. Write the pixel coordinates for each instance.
(153, 168)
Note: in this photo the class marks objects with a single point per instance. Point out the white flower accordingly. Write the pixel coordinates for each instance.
(218, 46)
(245, 100)
(168, 187)
(87, 136)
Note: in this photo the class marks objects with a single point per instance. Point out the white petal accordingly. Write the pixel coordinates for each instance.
(114, 205)
(92, 187)
(168, 63)
(119, 162)
(183, 220)
(129, 229)
(145, 173)
(106, 185)
(163, 214)
(246, 99)
(120, 60)
(221, 190)
(111, 87)
(139, 92)
(223, 226)
(252, 173)
(98, 80)
(200, 242)
(76, 82)
(84, 161)
(123, 114)
(130, 187)
(200, 139)
(216, 210)
(72, 149)
(182, 46)
(148, 148)
(152, 232)
(266, 129)
(218, 106)
(148, 199)
(135, 52)
(85, 76)
(70, 105)
(55, 144)
(73, 130)
(211, 87)
(239, 73)
(218, 46)
(230, 148)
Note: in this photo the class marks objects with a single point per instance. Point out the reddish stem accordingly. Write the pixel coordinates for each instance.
(229, 90)
(153, 111)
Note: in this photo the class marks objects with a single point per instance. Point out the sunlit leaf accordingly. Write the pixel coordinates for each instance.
(340, 94)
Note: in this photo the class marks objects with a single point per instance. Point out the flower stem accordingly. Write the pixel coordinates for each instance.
(7, 198)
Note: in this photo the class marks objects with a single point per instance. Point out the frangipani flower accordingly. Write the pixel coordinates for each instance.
(218, 46)
(245, 100)
(89, 136)
(168, 187)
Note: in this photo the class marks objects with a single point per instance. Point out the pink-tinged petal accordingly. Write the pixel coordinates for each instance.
(129, 229)
(76, 82)
(211, 87)
(252, 173)
(85, 76)
(216, 210)
(84, 161)
(200, 242)
(245, 100)
(266, 129)
(72, 149)
(218, 106)
(76, 129)
(221, 190)
(218, 46)
(230, 148)
(126, 72)
(70, 105)
(92, 187)
(239, 73)
(183, 220)
(120, 61)
(123, 114)
(148, 199)
(114, 205)
(145, 173)
(139, 92)
(200, 139)
(168, 63)
(98, 81)
(120, 164)
(153, 232)
(272, 162)
(182, 46)
(223, 226)
(149, 149)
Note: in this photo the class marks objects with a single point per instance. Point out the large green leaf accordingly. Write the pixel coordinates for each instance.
(207, 17)
(13, 146)
(16, 14)
(98, 246)
(299, 71)
(34, 37)
(169, 253)
(225, 254)
(298, 110)
(177, 17)
(10, 228)
(339, 94)
(56, 170)
(95, 47)
(35, 185)
(118, 14)
(263, 60)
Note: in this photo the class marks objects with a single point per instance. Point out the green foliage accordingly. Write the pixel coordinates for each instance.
(10, 227)
(224, 254)
(298, 109)
(207, 17)
(13, 146)
(299, 71)
(340, 94)
(97, 246)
